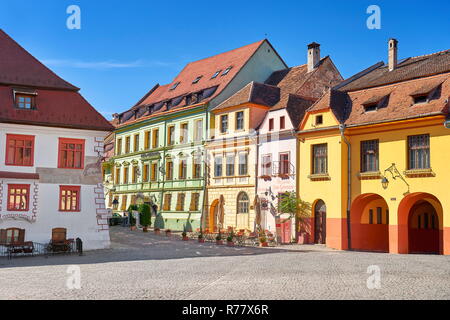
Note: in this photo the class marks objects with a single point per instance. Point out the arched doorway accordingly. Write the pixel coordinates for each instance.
(370, 223)
(423, 228)
(320, 222)
(213, 216)
(420, 224)
(242, 211)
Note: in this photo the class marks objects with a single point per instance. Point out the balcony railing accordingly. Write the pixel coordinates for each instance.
(277, 169)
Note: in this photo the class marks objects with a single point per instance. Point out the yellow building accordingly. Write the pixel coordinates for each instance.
(376, 146)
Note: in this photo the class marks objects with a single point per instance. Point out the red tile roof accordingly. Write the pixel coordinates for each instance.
(206, 68)
(58, 103)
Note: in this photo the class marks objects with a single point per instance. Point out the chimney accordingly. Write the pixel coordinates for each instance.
(313, 55)
(392, 57)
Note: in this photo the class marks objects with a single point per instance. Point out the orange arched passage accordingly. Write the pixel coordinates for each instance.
(370, 223)
(212, 217)
(420, 224)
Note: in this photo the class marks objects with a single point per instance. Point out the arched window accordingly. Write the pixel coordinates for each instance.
(243, 203)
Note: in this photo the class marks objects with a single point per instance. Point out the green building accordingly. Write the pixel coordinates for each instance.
(159, 150)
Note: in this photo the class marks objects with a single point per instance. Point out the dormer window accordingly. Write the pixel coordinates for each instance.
(420, 99)
(197, 79)
(216, 74)
(225, 72)
(370, 107)
(25, 101)
(319, 120)
(175, 85)
(376, 102)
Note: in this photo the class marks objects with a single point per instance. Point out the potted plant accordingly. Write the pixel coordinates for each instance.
(168, 232)
(201, 239)
(157, 231)
(184, 234)
(230, 238)
(219, 240)
(300, 211)
(263, 241)
(132, 219)
(145, 216)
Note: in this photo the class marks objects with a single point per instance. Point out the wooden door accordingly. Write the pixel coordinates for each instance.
(320, 220)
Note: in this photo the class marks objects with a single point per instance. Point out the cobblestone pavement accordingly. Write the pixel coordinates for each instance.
(146, 266)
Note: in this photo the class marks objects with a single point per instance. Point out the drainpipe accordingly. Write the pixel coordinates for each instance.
(349, 184)
(164, 168)
(205, 167)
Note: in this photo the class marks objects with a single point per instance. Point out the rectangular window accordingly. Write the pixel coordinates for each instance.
(319, 120)
(71, 153)
(369, 156)
(155, 138)
(370, 216)
(25, 101)
(379, 215)
(240, 120)
(320, 165)
(419, 152)
(266, 164)
(182, 169)
(154, 171)
(136, 143)
(134, 174)
(127, 144)
(180, 202)
(218, 166)
(19, 150)
(284, 163)
(197, 166)
(243, 163)
(230, 165)
(123, 207)
(199, 130)
(184, 133)
(69, 198)
(171, 136)
(169, 170)
(224, 123)
(125, 175)
(195, 197)
(119, 146)
(147, 135)
(271, 125)
(167, 202)
(145, 173)
(282, 123)
(117, 176)
(18, 197)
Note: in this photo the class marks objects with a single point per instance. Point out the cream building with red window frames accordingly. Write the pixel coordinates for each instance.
(51, 142)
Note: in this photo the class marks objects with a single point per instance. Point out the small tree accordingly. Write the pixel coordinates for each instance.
(130, 210)
(145, 215)
(297, 208)
(159, 221)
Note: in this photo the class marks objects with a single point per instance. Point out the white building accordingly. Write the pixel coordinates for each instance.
(51, 143)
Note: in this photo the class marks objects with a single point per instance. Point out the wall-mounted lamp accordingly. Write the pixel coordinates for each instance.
(395, 174)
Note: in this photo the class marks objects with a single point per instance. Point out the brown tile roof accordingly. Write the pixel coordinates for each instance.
(18, 67)
(411, 68)
(58, 103)
(254, 92)
(336, 100)
(206, 86)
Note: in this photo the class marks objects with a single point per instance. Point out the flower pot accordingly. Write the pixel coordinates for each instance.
(219, 242)
(132, 228)
(264, 244)
(157, 231)
(201, 240)
(185, 238)
(168, 234)
(303, 238)
(144, 229)
(230, 244)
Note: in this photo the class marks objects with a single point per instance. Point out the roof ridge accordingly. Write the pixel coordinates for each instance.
(430, 54)
(74, 88)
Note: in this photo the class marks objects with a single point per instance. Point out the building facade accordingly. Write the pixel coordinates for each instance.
(373, 161)
(159, 143)
(51, 142)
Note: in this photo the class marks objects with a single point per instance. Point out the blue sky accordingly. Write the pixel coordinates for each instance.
(125, 47)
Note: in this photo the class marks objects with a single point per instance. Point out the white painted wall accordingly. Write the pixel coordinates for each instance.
(83, 224)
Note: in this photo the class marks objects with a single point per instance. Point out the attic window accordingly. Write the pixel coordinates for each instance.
(225, 72)
(25, 101)
(319, 120)
(175, 85)
(420, 99)
(216, 74)
(197, 79)
(371, 107)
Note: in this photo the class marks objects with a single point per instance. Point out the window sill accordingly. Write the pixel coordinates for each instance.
(419, 173)
(371, 175)
(319, 177)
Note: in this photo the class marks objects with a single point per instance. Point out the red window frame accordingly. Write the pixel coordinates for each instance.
(62, 142)
(271, 124)
(17, 137)
(64, 196)
(13, 187)
(282, 122)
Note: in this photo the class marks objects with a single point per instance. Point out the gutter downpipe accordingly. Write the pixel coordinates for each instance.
(205, 168)
(349, 185)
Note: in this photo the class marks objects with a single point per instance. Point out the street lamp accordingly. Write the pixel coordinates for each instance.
(395, 174)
